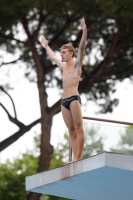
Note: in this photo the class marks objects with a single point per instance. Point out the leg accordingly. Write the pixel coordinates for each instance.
(75, 109)
(71, 128)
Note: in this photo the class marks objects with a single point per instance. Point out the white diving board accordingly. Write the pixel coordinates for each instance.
(106, 176)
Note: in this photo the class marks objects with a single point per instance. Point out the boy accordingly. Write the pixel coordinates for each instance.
(71, 102)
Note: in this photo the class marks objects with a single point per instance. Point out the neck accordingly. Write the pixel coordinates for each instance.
(70, 62)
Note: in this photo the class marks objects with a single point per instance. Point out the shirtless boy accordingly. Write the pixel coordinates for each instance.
(71, 102)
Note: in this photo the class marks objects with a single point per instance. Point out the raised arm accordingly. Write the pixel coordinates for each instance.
(82, 43)
(51, 54)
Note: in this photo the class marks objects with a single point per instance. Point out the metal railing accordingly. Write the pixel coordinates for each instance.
(108, 120)
(105, 127)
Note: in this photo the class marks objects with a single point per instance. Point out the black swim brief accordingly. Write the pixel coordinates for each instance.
(66, 102)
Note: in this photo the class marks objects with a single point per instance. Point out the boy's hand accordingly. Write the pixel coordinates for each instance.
(43, 42)
(83, 25)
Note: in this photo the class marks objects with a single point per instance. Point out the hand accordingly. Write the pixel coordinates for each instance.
(43, 42)
(83, 25)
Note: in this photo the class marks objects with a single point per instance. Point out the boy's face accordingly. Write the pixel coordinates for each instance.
(65, 54)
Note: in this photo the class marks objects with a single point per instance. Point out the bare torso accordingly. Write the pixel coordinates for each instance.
(71, 77)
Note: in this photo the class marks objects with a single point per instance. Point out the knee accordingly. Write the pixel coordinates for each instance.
(78, 128)
(72, 131)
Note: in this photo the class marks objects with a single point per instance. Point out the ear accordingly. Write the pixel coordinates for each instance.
(71, 53)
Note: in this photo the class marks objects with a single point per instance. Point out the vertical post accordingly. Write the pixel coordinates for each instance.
(70, 151)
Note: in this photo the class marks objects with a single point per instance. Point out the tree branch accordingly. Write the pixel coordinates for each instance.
(49, 69)
(41, 18)
(24, 23)
(56, 108)
(11, 101)
(101, 67)
(12, 119)
(10, 140)
(10, 38)
(14, 61)
(63, 29)
(118, 74)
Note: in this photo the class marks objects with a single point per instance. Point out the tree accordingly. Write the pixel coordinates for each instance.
(109, 25)
(93, 141)
(12, 174)
(125, 145)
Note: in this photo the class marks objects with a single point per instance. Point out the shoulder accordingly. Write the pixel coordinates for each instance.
(59, 63)
(63, 65)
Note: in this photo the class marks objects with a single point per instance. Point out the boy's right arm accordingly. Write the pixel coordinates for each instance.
(51, 54)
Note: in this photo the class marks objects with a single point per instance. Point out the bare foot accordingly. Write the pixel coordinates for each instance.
(75, 160)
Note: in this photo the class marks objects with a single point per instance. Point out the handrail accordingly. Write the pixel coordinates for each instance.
(102, 120)
(108, 120)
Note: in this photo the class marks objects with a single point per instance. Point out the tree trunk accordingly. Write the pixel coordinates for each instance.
(46, 148)
(46, 119)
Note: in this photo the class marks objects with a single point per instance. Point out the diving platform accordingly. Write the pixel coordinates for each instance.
(106, 176)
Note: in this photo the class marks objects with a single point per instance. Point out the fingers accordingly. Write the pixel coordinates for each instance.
(83, 25)
(41, 39)
(82, 20)
(43, 42)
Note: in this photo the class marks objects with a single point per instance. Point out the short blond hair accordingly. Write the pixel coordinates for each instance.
(69, 47)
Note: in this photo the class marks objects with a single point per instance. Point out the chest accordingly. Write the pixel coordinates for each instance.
(71, 72)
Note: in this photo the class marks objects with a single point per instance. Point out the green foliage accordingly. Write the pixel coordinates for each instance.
(125, 144)
(60, 155)
(12, 176)
(93, 142)
(50, 197)
(59, 20)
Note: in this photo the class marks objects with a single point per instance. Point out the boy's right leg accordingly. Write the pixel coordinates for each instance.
(78, 124)
(71, 128)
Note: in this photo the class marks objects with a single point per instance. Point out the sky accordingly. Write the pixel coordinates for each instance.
(25, 96)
